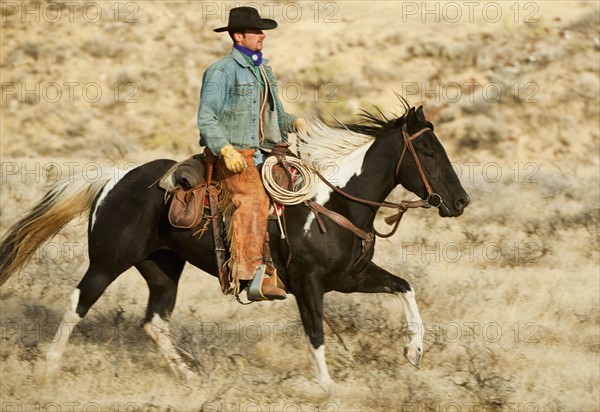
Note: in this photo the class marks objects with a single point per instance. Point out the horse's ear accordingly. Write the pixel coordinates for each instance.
(411, 117)
(421, 114)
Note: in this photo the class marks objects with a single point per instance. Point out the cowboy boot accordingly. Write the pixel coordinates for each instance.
(249, 222)
(264, 286)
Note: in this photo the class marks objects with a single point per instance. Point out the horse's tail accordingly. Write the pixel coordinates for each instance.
(65, 200)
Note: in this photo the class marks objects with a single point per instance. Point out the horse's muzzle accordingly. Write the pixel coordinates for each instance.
(457, 209)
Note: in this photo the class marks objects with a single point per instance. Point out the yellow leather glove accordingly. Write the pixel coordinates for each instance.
(234, 161)
(301, 125)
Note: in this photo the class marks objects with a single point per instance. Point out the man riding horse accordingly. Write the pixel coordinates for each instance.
(240, 113)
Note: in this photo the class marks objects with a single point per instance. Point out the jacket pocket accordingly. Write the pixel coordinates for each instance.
(244, 96)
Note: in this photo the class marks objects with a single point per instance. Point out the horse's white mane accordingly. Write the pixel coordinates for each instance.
(322, 145)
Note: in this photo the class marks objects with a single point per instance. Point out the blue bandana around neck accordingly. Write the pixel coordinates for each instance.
(256, 56)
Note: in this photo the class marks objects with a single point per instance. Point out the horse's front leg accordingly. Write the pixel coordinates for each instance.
(309, 297)
(413, 351)
(374, 279)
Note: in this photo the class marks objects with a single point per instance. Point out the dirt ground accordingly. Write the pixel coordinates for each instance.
(509, 292)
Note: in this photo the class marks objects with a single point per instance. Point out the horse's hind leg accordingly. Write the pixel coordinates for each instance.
(162, 270)
(90, 288)
(374, 279)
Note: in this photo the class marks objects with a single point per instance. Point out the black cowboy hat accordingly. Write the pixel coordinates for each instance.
(246, 18)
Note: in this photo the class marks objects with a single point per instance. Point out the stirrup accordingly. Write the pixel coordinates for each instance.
(254, 290)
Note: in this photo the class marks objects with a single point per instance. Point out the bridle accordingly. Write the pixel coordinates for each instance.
(433, 199)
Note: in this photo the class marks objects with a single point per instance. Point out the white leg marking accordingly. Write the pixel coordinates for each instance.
(158, 330)
(118, 175)
(413, 351)
(70, 319)
(323, 378)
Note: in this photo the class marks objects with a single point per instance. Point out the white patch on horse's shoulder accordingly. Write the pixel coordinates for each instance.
(342, 171)
(338, 154)
(104, 192)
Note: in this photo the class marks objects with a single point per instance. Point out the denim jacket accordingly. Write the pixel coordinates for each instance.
(230, 106)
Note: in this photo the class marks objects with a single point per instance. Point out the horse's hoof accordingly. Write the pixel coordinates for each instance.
(187, 374)
(326, 384)
(413, 354)
(46, 371)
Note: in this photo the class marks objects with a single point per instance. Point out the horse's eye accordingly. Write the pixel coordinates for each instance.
(427, 150)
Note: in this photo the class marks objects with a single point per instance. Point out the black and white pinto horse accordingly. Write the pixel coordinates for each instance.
(128, 227)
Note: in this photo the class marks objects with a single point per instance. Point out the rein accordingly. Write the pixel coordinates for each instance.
(402, 207)
(433, 199)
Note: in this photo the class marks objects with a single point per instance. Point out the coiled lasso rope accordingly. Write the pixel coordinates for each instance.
(302, 190)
